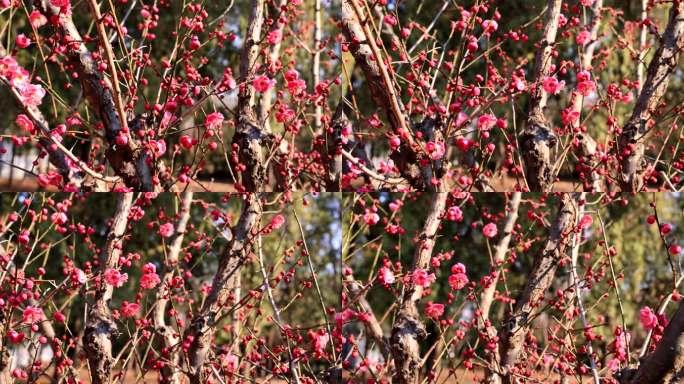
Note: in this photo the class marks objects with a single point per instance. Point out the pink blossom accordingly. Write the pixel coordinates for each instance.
(583, 76)
(274, 37)
(320, 341)
(60, 3)
(25, 123)
(22, 41)
(115, 278)
(435, 150)
(552, 86)
(78, 276)
(454, 214)
(149, 268)
(586, 221)
(648, 318)
(422, 278)
(458, 281)
(464, 144)
(129, 309)
(385, 275)
(433, 310)
(486, 122)
(59, 316)
(8, 67)
(569, 116)
(59, 218)
(390, 20)
(394, 142)
(262, 83)
(489, 26)
(665, 228)
(24, 237)
(518, 83)
(370, 217)
(587, 3)
(291, 75)
(461, 119)
(230, 362)
(158, 147)
(166, 230)
(395, 205)
(585, 88)
(149, 280)
(296, 87)
(213, 120)
(583, 38)
(285, 114)
(277, 221)
(32, 314)
(490, 230)
(37, 19)
(458, 268)
(31, 94)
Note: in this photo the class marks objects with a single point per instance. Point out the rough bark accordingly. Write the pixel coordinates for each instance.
(169, 337)
(537, 138)
(517, 322)
(100, 328)
(666, 363)
(250, 136)
(408, 330)
(632, 140)
(204, 322)
(127, 161)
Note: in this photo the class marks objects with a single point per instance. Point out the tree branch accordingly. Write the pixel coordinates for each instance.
(537, 138)
(517, 322)
(631, 142)
(100, 327)
(408, 329)
(169, 337)
(204, 323)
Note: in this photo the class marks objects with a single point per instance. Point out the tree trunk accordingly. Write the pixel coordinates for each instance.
(408, 330)
(537, 138)
(204, 323)
(169, 337)
(100, 328)
(250, 136)
(632, 140)
(502, 363)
